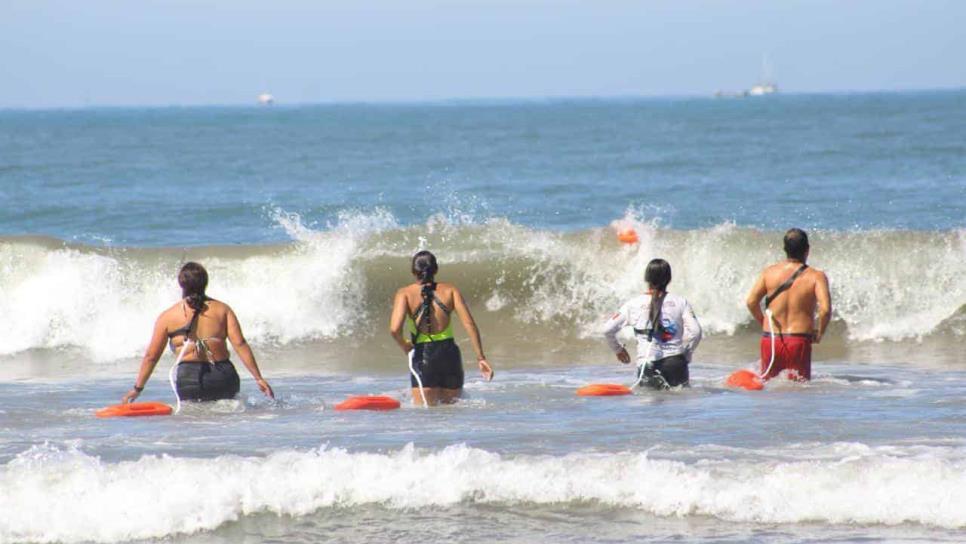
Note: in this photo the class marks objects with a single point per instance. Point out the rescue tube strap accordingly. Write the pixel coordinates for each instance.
(784, 286)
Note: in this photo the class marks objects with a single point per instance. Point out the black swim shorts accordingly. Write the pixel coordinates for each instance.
(207, 381)
(439, 364)
(666, 373)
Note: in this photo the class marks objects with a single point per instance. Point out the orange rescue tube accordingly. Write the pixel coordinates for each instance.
(627, 236)
(363, 402)
(745, 379)
(603, 390)
(135, 409)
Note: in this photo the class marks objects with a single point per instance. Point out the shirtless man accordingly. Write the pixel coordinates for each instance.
(792, 292)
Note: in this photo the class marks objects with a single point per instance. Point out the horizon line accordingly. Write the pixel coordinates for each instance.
(481, 100)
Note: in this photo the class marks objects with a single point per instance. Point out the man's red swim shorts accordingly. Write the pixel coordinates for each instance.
(793, 352)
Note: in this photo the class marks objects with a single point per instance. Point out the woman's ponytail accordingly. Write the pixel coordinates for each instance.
(658, 276)
(424, 268)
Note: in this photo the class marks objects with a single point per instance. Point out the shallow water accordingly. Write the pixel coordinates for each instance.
(861, 452)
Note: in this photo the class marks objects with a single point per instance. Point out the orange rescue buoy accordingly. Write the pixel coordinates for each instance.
(603, 390)
(745, 379)
(363, 402)
(135, 409)
(627, 236)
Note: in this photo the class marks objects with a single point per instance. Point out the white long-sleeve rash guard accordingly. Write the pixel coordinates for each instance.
(682, 332)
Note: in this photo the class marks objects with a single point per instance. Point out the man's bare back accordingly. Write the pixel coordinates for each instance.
(795, 293)
(794, 311)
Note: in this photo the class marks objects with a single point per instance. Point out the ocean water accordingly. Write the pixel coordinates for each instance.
(306, 218)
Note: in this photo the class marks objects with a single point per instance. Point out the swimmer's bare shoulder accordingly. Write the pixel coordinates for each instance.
(405, 294)
(816, 273)
(217, 307)
(170, 317)
(818, 281)
(776, 274)
(446, 292)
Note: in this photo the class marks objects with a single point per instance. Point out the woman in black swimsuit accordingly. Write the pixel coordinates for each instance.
(428, 306)
(196, 329)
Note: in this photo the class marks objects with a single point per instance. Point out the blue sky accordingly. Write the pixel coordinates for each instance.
(65, 53)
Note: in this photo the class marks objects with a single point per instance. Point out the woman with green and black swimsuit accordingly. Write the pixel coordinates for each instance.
(437, 365)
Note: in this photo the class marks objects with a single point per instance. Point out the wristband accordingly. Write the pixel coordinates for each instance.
(138, 389)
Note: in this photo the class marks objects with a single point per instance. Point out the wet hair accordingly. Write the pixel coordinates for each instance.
(193, 279)
(425, 268)
(658, 274)
(796, 244)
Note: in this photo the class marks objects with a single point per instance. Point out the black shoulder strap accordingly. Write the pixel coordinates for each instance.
(442, 306)
(784, 286)
(186, 330)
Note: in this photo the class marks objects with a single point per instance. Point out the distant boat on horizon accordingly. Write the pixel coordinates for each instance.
(266, 99)
(765, 86)
(762, 89)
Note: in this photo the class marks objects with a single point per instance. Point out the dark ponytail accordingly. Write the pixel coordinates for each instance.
(658, 276)
(424, 268)
(193, 279)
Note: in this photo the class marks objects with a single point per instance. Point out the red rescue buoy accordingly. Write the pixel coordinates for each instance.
(745, 379)
(603, 390)
(627, 236)
(135, 409)
(363, 402)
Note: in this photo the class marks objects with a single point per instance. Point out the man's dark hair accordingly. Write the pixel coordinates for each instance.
(796, 244)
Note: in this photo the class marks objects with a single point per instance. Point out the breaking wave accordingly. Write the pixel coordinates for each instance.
(887, 285)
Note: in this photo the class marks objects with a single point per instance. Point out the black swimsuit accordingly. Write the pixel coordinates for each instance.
(436, 357)
(439, 364)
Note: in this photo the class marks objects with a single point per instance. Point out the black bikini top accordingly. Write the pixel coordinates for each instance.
(189, 325)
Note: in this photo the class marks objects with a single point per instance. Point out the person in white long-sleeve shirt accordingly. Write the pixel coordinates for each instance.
(666, 329)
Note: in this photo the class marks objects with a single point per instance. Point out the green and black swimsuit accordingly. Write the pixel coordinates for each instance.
(436, 356)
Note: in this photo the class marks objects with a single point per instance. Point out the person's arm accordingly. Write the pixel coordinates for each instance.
(397, 320)
(758, 292)
(151, 355)
(691, 336)
(469, 324)
(824, 298)
(244, 352)
(617, 322)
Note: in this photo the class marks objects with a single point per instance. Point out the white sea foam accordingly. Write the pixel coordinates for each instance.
(886, 285)
(106, 302)
(49, 494)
